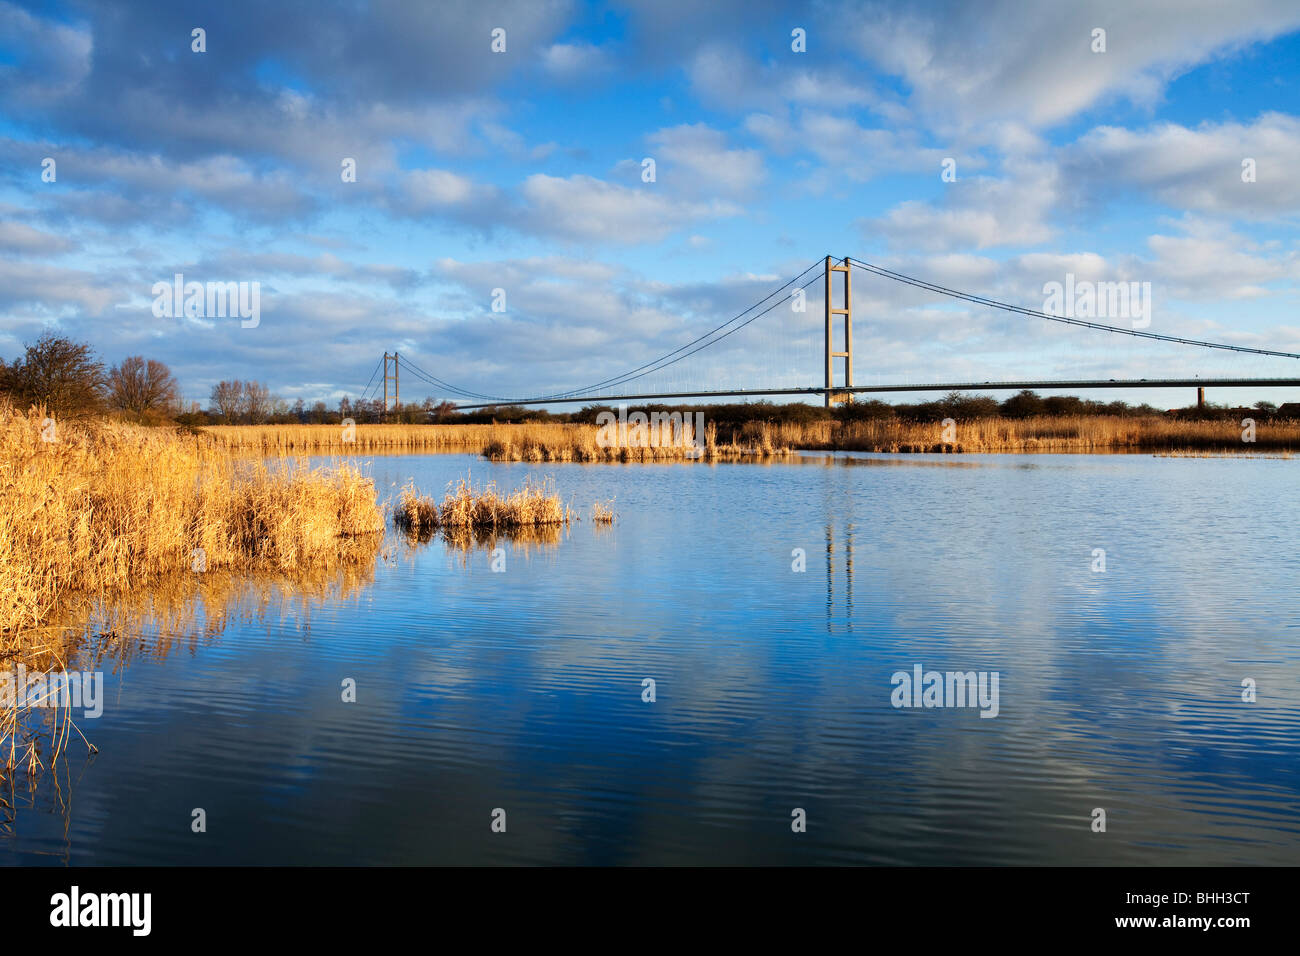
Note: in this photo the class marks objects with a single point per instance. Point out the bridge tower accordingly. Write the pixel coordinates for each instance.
(831, 355)
(397, 401)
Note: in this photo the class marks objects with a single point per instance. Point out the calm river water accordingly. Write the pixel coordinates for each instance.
(522, 690)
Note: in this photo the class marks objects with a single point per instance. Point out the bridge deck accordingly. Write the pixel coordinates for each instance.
(938, 387)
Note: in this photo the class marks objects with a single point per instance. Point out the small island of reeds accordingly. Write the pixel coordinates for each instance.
(464, 508)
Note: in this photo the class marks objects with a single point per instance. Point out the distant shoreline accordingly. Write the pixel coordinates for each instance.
(542, 442)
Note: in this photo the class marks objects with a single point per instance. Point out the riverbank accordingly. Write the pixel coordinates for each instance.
(758, 440)
(1070, 433)
(533, 442)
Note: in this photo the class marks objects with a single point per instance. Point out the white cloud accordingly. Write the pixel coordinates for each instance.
(54, 59)
(704, 162)
(845, 148)
(584, 208)
(22, 239)
(1210, 261)
(968, 63)
(1196, 169)
(226, 180)
(727, 76)
(50, 290)
(437, 187)
(571, 61)
(977, 213)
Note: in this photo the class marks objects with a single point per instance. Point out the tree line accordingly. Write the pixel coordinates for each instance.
(956, 405)
(67, 380)
(251, 403)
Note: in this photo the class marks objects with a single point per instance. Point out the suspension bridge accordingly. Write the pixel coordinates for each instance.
(645, 384)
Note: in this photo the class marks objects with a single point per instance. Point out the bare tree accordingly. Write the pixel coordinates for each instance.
(226, 398)
(439, 411)
(142, 387)
(256, 402)
(59, 374)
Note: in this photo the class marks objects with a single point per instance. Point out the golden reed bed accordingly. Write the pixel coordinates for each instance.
(1080, 433)
(97, 510)
(761, 440)
(362, 439)
(527, 442)
(108, 506)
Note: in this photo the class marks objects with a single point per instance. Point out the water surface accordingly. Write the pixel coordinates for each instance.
(522, 690)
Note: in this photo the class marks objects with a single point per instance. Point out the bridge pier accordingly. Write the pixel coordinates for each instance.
(831, 355)
(1200, 398)
(396, 395)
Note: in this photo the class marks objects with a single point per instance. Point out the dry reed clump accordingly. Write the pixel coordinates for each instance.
(106, 506)
(585, 444)
(415, 513)
(465, 509)
(603, 513)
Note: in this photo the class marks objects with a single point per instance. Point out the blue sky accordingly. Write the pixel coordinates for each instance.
(521, 171)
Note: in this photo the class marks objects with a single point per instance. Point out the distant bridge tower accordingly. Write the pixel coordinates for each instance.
(397, 401)
(831, 312)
